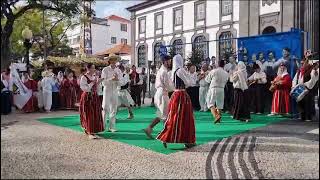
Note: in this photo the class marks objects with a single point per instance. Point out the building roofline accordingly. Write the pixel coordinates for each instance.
(144, 5)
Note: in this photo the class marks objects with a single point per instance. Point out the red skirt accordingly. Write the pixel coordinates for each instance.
(91, 113)
(31, 106)
(179, 126)
(280, 102)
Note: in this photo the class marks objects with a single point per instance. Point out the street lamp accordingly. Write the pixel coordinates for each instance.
(27, 36)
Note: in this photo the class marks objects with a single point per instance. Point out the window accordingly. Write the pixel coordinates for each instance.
(200, 43)
(124, 27)
(141, 55)
(113, 40)
(226, 7)
(142, 25)
(225, 44)
(200, 11)
(124, 41)
(158, 20)
(177, 17)
(177, 46)
(156, 54)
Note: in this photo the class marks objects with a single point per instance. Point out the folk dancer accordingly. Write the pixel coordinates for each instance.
(239, 78)
(308, 76)
(228, 101)
(46, 83)
(152, 83)
(281, 86)
(100, 86)
(179, 126)
(111, 76)
(257, 83)
(135, 86)
(164, 85)
(90, 107)
(32, 104)
(217, 79)
(124, 96)
(193, 89)
(204, 87)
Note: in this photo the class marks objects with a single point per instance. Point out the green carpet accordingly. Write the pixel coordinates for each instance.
(130, 131)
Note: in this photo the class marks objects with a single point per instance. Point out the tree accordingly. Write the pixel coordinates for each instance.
(10, 13)
(196, 57)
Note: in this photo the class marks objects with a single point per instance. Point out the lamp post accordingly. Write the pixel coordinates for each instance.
(27, 36)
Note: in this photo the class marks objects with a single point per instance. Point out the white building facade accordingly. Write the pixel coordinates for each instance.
(106, 33)
(189, 25)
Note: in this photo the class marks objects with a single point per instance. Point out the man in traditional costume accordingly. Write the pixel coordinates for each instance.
(111, 76)
(135, 86)
(124, 95)
(307, 76)
(32, 104)
(281, 86)
(90, 107)
(164, 85)
(217, 79)
(204, 87)
(179, 126)
(267, 67)
(193, 89)
(257, 82)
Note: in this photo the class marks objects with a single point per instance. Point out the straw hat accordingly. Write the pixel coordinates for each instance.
(45, 74)
(113, 58)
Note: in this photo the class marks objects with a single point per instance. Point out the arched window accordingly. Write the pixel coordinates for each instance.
(200, 43)
(156, 54)
(141, 56)
(177, 46)
(269, 30)
(225, 45)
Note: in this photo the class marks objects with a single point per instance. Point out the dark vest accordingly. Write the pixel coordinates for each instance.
(126, 85)
(178, 82)
(131, 78)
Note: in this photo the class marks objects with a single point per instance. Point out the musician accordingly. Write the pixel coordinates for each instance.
(281, 86)
(256, 82)
(308, 76)
(286, 59)
(271, 74)
(261, 57)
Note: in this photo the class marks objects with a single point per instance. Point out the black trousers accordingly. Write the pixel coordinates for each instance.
(136, 94)
(55, 101)
(228, 97)
(256, 91)
(194, 96)
(306, 107)
(6, 102)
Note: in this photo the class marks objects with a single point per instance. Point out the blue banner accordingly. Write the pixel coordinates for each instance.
(271, 42)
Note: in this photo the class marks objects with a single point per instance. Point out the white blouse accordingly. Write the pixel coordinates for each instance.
(185, 77)
(84, 85)
(261, 76)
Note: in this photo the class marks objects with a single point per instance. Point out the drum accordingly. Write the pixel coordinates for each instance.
(298, 92)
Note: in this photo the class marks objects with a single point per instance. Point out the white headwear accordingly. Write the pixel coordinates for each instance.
(176, 64)
(242, 74)
(282, 73)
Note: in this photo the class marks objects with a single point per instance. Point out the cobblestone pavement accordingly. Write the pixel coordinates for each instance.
(31, 149)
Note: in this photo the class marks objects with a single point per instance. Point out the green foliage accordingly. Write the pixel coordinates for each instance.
(196, 57)
(172, 51)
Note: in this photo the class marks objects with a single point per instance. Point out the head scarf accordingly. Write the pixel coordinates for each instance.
(284, 72)
(242, 74)
(176, 64)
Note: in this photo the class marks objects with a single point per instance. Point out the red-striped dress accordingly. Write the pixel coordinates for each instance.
(179, 126)
(281, 96)
(68, 93)
(32, 104)
(90, 107)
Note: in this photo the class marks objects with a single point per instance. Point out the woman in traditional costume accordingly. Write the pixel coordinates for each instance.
(179, 126)
(240, 108)
(281, 86)
(90, 106)
(32, 104)
(69, 91)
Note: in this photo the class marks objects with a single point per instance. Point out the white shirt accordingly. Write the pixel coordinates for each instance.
(108, 73)
(261, 75)
(217, 78)
(314, 78)
(185, 77)
(230, 67)
(163, 80)
(267, 64)
(194, 78)
(47, 83)
(203, 82)
(124, 80)
(84, 85)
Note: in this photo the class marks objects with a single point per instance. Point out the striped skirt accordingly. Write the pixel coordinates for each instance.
(91, 113)
(179, 126)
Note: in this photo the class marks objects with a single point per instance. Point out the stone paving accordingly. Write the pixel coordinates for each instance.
(31, 149)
